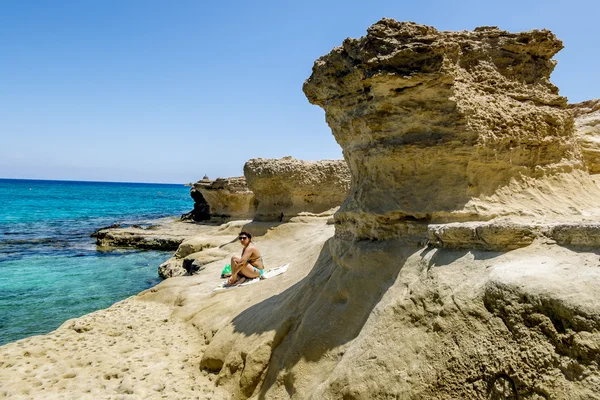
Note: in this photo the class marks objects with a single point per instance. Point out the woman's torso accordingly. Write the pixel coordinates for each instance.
(254, 256)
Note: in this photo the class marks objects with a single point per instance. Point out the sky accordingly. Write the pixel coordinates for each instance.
(171, 90)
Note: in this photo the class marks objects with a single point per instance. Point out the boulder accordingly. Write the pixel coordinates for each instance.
(195, 262)
(587, 130)
(286, 187)
(227, 198)
(171, 268)
(196, 244)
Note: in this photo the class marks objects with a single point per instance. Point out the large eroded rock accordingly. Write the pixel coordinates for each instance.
(228, 198)
(287, 187)
(587, 129)
(437, 127)
(446, 126)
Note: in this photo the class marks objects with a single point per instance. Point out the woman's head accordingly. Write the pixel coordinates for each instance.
(244, 237)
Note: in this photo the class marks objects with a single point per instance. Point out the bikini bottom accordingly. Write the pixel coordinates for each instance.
(260, 273)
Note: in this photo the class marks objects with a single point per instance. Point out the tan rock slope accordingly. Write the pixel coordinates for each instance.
(287, 187)
(150, 346)
(587, 128)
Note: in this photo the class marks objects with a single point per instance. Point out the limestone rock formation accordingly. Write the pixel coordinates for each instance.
(201, 210)
(587, 128)
(196, 262)
(451, 139)
(287, 187)
(171, 268)
(227, 198)
(191, 264)
(446, 126)
(386, 320)
(162, 234)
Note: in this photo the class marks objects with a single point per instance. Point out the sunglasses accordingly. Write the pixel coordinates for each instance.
(243, 237)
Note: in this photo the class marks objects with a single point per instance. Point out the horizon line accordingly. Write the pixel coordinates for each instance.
(91, 181)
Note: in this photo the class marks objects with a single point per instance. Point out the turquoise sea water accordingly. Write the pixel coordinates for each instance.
(50, 268)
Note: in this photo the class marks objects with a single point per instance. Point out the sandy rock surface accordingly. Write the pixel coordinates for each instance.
(587, 129)
(361, 320)
(133, 350)
(286, 187)
(150, 346)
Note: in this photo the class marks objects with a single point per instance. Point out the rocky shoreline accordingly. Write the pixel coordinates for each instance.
(159, 234)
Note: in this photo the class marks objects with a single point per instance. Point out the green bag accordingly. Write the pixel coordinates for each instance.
(226, 271)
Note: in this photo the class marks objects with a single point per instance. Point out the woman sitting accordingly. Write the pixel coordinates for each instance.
(249, 265)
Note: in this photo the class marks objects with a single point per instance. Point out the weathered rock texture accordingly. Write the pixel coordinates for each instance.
(507, 235)
(382, 321)
(287, 187)
(385, 320)
(227, 198)
(201, 210)
(445, 126)
(162, 234)
(587, 129)
(437, 127)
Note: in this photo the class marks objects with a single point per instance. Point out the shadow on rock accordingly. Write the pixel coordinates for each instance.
(441, 257)
(308, 322)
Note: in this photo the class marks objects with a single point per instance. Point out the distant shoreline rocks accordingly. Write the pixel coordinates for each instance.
(272, 190)
(286, 187)
(282, 190)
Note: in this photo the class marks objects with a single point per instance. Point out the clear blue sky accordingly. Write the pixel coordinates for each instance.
(167, 91)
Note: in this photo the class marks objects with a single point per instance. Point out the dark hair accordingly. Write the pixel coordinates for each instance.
(246, 233)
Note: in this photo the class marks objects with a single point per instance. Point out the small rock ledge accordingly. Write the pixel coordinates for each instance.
(503, 236)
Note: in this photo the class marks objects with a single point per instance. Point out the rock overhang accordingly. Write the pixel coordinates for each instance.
(438, 126)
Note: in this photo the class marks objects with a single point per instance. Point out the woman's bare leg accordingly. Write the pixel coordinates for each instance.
(247, 270)
(236, 266)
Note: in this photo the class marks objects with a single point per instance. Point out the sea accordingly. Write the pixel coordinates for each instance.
(51, 269)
